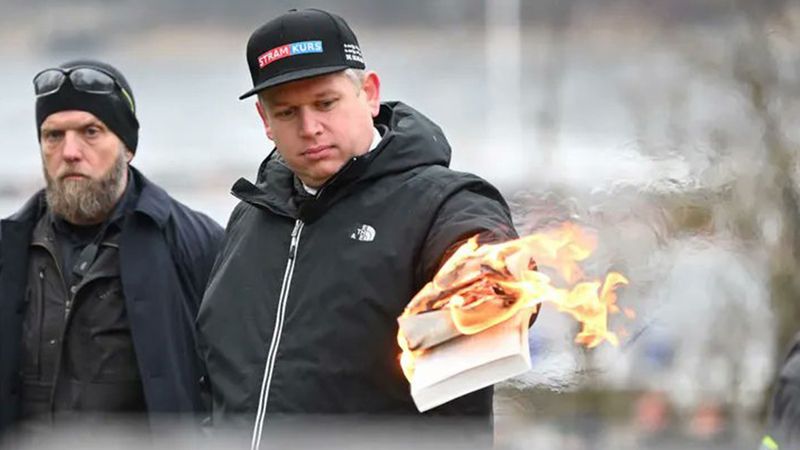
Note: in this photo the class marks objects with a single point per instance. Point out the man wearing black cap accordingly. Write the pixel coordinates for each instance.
(350, 216)
(101, 272)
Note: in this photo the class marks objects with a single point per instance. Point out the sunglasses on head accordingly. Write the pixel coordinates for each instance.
(84, 79)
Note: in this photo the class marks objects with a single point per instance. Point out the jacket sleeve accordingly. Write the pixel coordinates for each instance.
(784, 420)
(466, 213)
(476, 209)
(195, 246)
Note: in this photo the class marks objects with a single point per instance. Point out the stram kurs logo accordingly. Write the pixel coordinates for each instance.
(363, 233)
(293, 49)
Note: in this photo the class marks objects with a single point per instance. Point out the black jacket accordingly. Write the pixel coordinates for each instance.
(166, 252)
(784, 418)
(303, 300)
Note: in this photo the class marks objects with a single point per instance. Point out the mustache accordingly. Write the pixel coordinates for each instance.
(71, 172)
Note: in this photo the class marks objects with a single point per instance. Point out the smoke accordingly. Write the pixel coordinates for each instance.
(699, 287)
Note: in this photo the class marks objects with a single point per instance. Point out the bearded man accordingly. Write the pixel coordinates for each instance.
(101, 272)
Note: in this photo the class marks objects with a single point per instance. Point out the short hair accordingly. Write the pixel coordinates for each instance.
(357, 76)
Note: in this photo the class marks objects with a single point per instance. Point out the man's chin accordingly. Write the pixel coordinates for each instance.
(318, 180)
(324, 171)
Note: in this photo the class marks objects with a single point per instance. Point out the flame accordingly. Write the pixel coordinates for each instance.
(483, 285)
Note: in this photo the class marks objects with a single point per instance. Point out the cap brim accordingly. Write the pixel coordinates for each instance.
(292, 76)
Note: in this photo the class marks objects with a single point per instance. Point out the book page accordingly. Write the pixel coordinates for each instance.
(468, 363)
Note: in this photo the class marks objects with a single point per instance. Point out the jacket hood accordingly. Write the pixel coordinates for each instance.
(412, 138)
(409, 140)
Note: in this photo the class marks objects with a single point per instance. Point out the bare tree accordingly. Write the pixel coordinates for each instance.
(757, 74)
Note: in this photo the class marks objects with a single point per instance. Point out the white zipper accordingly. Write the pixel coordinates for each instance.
(276, 337)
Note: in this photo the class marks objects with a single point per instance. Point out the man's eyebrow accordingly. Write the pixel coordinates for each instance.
(277, 103)
(95, 123)
(326, 93)
(79, 126)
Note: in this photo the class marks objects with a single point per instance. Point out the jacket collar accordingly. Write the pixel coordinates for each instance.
(31, 211)
(153, 201)
(409, 140)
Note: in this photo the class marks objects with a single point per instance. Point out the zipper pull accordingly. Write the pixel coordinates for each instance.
(293, 241)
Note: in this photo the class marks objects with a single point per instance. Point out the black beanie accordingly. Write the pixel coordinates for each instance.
(113, 110)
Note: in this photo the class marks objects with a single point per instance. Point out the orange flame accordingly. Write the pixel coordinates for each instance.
(483, 285)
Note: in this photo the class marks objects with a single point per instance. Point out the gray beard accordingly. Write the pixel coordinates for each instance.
(86, 201)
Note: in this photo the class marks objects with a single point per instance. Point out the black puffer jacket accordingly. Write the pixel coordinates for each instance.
(300, 313)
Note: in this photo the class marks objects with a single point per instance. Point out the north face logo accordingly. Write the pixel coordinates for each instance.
(364, 233)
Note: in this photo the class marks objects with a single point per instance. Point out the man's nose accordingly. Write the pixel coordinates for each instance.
(73, 147)
(309, 123)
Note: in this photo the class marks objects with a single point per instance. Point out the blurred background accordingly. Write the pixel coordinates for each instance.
(668, 126)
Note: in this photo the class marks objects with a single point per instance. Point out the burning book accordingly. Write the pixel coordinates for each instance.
(461, 364)
(468, 328)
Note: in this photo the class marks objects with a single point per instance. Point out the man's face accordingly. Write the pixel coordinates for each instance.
(84, 166)
(319, 123)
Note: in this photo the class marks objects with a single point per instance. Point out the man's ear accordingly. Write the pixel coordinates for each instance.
(264, 119)
(128, 155)
(372, 87)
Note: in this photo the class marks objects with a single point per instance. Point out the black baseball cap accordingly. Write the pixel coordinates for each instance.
(300, 44)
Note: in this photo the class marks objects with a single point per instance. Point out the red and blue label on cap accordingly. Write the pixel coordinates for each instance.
(293, 49)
